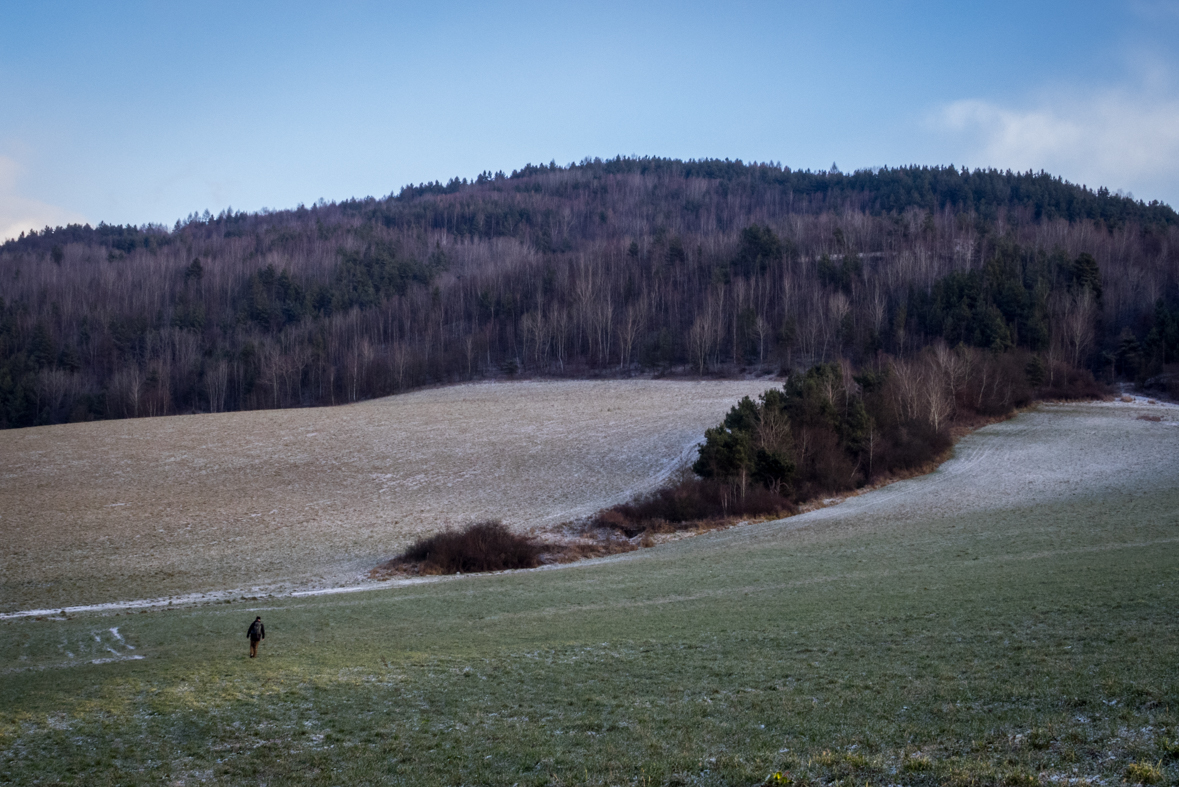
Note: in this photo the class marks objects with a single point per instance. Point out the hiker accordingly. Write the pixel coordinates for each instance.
(256, 632)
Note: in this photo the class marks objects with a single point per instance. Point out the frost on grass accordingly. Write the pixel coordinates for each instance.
(1054, 453)
(147, 508)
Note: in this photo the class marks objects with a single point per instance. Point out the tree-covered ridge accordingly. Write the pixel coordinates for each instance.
(877, 191)
(897, 189)
(616, 267)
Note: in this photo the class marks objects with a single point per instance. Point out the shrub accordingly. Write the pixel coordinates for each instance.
(1070, 383)
(690, 501)
(1166, 383)
(911, 445)
(481, 546)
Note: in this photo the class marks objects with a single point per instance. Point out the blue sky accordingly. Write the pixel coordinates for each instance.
(145, 112)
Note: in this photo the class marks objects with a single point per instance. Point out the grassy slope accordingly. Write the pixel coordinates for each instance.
(982, 645)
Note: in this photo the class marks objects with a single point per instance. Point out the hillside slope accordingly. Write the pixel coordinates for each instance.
(597, 269)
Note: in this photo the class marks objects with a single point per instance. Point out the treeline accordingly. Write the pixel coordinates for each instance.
(602, 268)
(832, 429)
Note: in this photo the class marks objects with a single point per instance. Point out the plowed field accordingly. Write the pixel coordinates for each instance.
(271, 500)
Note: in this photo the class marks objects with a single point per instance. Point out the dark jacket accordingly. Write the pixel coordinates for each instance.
(256, 631)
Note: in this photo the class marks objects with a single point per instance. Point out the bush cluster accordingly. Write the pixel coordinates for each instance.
(688, 501)
(830, 429)
(481, 546)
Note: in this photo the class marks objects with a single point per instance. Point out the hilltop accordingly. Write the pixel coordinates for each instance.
(604, 268)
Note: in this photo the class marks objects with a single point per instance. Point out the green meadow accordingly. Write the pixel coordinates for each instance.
(929, 635)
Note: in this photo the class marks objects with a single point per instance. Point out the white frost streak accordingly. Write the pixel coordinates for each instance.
(119, 658)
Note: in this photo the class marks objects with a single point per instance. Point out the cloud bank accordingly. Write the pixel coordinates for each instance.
(19, 213)
(1118, 138)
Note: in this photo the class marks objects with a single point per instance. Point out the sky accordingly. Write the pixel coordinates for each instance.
(146, 112)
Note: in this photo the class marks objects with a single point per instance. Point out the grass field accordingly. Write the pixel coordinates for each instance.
(282, 499)
(1009, 619)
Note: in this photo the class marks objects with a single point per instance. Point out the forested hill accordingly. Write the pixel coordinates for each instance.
(604, 267)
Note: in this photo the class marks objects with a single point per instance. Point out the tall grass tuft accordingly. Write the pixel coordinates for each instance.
(1144, 773)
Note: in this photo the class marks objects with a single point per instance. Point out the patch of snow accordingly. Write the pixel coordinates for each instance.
(117, 658)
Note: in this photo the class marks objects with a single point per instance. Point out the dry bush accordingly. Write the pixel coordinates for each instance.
(443, 553)
(596, 545)
(826, 467)
(1166, 383)
(990, 383)
(481, 546)
(691, 501)
(913, 444)
(1069, 383)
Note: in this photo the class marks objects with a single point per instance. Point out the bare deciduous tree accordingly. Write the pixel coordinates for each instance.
(216, 384)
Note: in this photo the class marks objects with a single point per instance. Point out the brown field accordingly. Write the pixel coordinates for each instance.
(268, 501)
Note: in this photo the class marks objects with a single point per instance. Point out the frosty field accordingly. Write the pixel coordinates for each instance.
(1007, 620)
(274, 500)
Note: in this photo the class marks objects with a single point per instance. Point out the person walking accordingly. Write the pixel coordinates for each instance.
(256, 632)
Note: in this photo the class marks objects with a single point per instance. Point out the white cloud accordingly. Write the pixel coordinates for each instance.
(1118, 138)
(20, 214)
